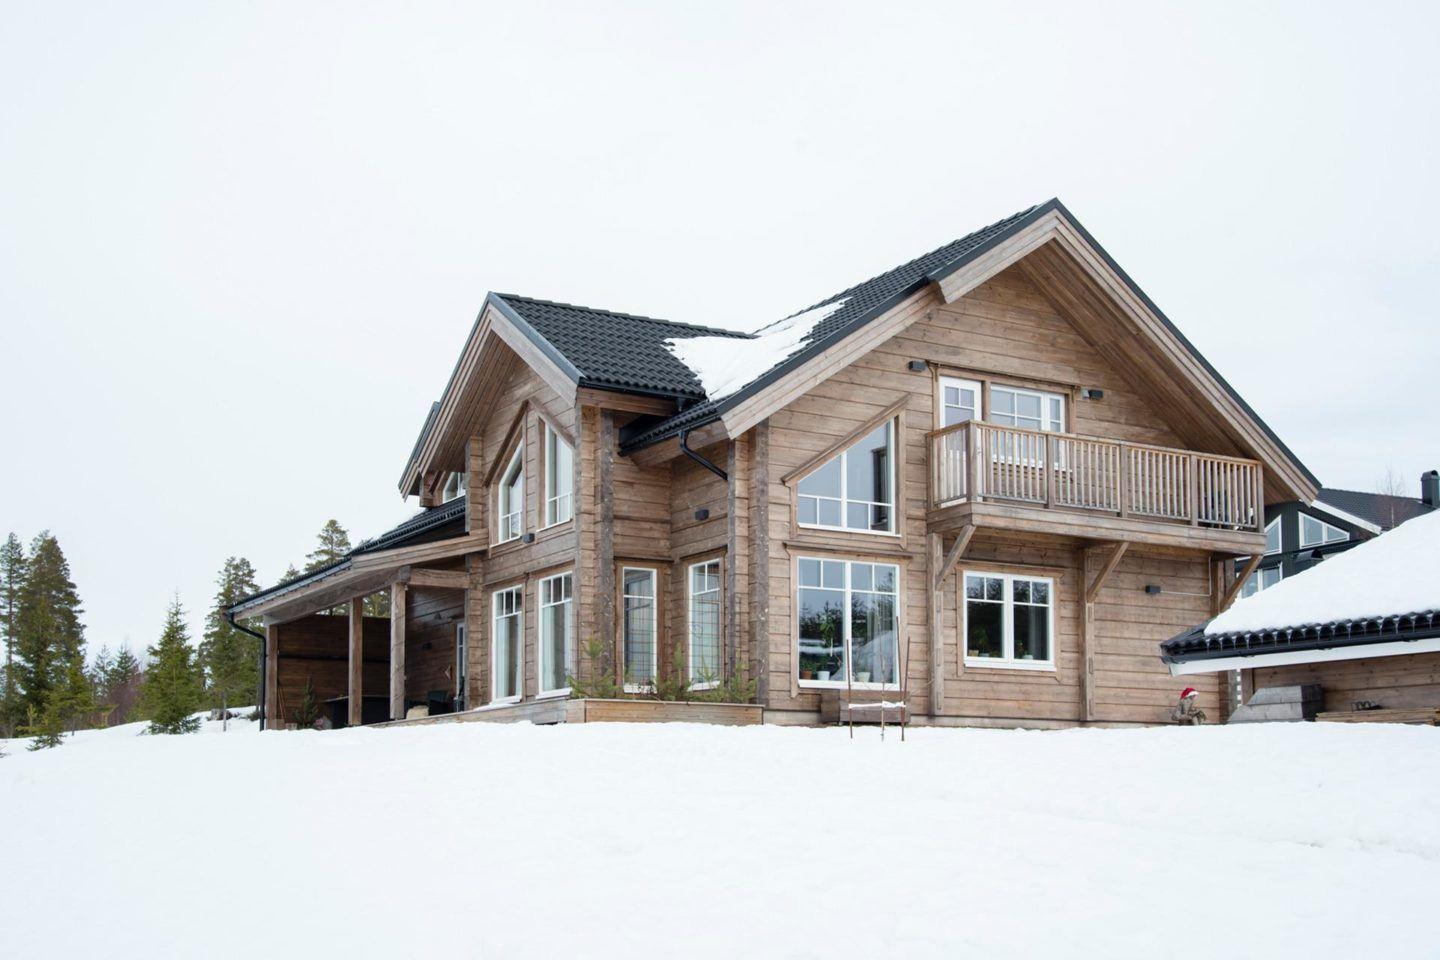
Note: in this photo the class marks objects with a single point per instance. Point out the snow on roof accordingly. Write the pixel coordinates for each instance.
(726, 364)
(1397, 573)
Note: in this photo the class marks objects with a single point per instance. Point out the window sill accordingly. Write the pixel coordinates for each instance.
(855, 530)
(842, 685)
(985, 663)
(557, 523)
(502, 701)
(705, 686)
(553, 694)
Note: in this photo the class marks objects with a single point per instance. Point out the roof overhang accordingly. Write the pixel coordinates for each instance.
(498, 339)
(1280, 658)
(1321, 506)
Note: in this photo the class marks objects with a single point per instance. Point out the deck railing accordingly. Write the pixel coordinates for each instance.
(1088, 473)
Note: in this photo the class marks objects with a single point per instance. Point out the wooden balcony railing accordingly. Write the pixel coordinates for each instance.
(1061, 470)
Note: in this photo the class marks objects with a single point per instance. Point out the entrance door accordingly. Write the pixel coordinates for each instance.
(460, 664)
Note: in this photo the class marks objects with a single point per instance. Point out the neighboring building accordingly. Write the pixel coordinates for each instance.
(988, 481)
(1300, 535)
(1364, 626)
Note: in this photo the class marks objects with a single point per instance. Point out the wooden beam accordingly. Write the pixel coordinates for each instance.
(957, 550)
(1233, 591)
(935, 607)
(357, 661)
(625, 402)
(605, 539)
(760, 558)
(1092, 588)
(272, 675)
(397, 651)
(443, 579)
(666, 450)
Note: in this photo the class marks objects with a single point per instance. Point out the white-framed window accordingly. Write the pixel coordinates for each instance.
(1273, 541)
(704, 621)
(454, 487)
(847, 623)
(639, 603)
(557, 633)
(959, 401)
(855, 489)
(462, 667)
(1009, 621)
(1262, 579)
(507, 645)
(1028, 409)
(510, 498)
(559, 478)
(1315, 532)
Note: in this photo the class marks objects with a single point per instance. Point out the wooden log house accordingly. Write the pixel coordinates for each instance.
(989, 481)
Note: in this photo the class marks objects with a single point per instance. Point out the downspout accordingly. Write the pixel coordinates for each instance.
(685, 449)
(261, 637)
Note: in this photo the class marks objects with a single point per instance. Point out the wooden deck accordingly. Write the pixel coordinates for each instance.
(598, 711)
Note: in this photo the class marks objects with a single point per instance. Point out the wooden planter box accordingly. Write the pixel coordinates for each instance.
(661, 711)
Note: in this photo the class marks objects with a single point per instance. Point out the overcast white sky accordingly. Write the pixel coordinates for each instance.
(241, 244)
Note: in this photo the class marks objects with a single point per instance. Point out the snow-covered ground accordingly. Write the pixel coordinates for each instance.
(616, 840)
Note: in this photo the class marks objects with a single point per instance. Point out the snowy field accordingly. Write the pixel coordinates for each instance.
(614, 840)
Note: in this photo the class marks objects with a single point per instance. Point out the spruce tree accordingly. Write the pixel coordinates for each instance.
(229, 657)
(12, 577)
(172, 683)
(48, 633)
(72, 700)
(121, 686)
(333, 543)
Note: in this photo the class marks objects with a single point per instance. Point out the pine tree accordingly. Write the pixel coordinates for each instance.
(229, 657)
(12, 577)
(333, 544)
(121, 686)
(48, 633)
(172, 684)
(72, 700)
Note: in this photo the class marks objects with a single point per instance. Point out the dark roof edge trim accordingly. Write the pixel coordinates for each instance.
(290, 586)
(1223, 646)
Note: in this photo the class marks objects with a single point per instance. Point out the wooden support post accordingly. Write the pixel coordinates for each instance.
(272, 676)
(1094, 573)
(938, 566)
(1233, 591)
(605, 542)
(397, 651)
(354, 699)
(760, 560)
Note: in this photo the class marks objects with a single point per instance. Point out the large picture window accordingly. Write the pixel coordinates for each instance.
(510, 501)
(557, 630)
(848, 616)
(559, 478)
(506, 645)
(854, 490)
(1315, 533)
(1009, 621)
(705, 624)
(638, 601)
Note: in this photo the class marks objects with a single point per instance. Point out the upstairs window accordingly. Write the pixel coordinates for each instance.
(1262, 579)
(559, 478)
(510, 499)
(855, 490)
(1028, 409)
(454, 487)
(1316, 533)
(1272, 537)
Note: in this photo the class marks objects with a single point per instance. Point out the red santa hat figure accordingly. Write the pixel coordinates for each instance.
(1189, 692)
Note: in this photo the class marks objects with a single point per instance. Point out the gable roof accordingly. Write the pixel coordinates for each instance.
(1382, 510)
(619, 351)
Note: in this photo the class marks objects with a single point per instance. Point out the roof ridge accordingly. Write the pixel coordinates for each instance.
(721, 331)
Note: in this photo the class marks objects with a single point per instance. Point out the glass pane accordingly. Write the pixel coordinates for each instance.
(639, 625)
(867, 467)
(824, 482)
(830, 513)
(862, 576)
(705, 625)
(1027, 405)
(833, 574)
(1057, 417)
(1002, 401)
(857, 516)
(885, 578)
(983, 625)
(1272, 537)
(952, 396)
(809, 573)
(1040, 591)
(555, 628)
(809, 510)
(1309, 530)
(872, 637)
(1032, 633)
(822, 634)
(1022, 591)
(994, 588)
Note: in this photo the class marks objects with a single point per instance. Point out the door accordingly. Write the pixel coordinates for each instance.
(959, 402)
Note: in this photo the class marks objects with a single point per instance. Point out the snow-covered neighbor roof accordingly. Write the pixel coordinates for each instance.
(1391, 575)
(725, 364)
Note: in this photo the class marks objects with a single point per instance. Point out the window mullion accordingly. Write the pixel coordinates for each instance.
(1007, 642)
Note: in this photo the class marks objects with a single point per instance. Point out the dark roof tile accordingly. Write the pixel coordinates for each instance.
(1383, 510)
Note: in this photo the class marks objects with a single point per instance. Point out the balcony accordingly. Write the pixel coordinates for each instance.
(1091, 487)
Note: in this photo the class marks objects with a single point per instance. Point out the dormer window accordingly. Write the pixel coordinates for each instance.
(510, 499)
(454, 487)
